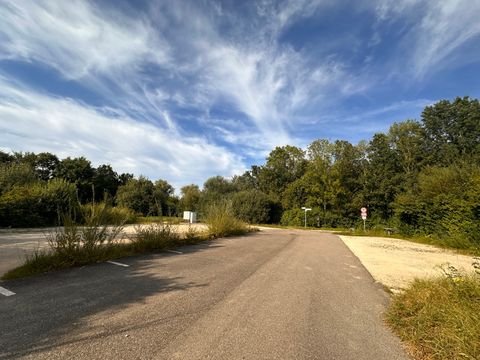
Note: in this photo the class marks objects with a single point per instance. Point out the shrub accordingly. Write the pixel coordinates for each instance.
(15, 174)
(90, 242)
(37, 204)
(221, 221)
(154, 236)
(111, 215)
(192, 236)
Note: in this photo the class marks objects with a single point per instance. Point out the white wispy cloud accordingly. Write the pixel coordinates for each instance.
(77, 38)
(31, 121)
(447, 26)
(439, 34)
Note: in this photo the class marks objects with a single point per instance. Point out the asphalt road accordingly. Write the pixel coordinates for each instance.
(16, 244)
(278, 294)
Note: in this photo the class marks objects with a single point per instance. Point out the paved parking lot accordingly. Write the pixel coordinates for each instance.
(277, 294)
(15, 245)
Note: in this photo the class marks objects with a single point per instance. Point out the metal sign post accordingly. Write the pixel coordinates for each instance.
(306, 209)
(363, 213)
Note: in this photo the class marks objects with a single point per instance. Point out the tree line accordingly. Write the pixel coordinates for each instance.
(421, 177)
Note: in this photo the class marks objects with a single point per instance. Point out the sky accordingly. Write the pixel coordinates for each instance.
(185, 90)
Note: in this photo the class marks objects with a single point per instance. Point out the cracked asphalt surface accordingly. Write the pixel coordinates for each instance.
(276, 294)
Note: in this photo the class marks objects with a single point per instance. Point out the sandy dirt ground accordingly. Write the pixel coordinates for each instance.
(395, 263)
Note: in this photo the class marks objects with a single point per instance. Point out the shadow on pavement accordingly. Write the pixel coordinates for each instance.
(47, 308)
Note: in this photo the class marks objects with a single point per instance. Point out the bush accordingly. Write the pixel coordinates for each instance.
(87, 243)
(155, 236)
(252, 206)
(111, 215)
(15, 174)
(37, 204)
(445, 204)
(439, 318)
(221, 221)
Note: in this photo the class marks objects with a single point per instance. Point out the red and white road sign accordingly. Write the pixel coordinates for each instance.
(363, 212)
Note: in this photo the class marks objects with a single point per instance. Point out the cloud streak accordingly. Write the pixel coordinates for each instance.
(69, 128)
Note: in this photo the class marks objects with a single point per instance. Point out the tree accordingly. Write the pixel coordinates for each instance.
(284, 165)
(252, 206)
(163, 194)
(214, 189)
(384, 179)
(46, 165)
(137, 195)
(347, 169)
(445, 203)
(190, 197)
(406, 140)
(452, 131)
(78, 171)
(106, 182)
(6, 157)
(124, 178)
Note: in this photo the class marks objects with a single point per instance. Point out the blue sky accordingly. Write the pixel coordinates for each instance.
(185, 90)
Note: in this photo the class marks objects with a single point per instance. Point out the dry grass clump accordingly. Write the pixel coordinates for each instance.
(440, 318)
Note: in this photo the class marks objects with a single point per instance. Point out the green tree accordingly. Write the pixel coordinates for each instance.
(165, 201)
(6, 157)
(137, 195)
(106, 182)
(452, 131)
(46, 165)
(445, 202)
(78, 171)
(407, 141)
(284, 165)
(190, 198)
(347, 169)
(252, 206)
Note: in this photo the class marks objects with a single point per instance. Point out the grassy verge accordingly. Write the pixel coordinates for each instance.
(221, 221)
(94, 241)
(439, 318)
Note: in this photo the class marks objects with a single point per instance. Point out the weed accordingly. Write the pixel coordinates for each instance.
(154, 236)
(221, 221)
(439, 317)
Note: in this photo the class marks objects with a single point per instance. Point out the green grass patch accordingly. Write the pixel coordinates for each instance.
(439, 318)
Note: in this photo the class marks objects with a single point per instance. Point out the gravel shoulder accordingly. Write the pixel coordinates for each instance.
(395, 262)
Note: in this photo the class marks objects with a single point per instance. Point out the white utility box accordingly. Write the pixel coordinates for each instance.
(190, 216)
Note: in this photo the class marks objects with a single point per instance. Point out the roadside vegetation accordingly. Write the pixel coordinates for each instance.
(439, 318)
(221, 220)
(99, 236)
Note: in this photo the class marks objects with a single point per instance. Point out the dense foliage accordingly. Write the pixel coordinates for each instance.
(422, 177)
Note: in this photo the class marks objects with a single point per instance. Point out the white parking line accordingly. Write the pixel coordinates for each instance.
(6, 292)
(174, 251)
(117, 263)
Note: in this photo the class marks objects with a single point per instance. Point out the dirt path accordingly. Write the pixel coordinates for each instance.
(395, 262)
